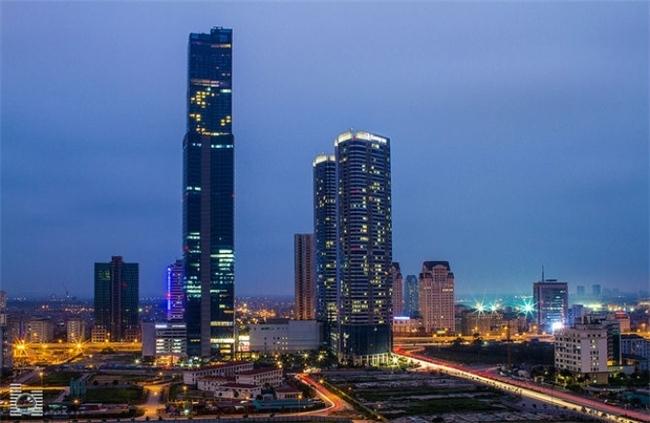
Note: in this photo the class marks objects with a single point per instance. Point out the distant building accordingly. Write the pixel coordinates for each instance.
(305, 290)
(325, 244)
(116, 298)
(582, 350)
(596, 291)
(637, 348)
(285, 336)
(580, 291)
(365, 247)
(40, 331)
(99, 334)
(398, 290)
(175, 291)
(576, 314)
(436, 295)
(551, 300)
(164, 341)
(76, 330)
(407, 326)
(411, 297)
(5, 344)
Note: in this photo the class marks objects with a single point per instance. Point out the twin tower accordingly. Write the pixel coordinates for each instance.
(352, 221)
(353, 244)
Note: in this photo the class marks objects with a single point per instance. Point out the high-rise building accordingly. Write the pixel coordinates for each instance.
(596, 291)
(551, 299)
(208, 196)
(325, 243)
(580, 291)
(75, 330)
(5, 345)
(411, 297)
(436, 295)
(175, 291)
(40, 331)
(303, 257)
(364, 232)
(116, 298)
(398, 290)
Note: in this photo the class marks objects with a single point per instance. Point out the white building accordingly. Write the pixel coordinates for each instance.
(226, 370)
(237, 391)
(40, 331)
(260, 377)
(285, 336)
(75, 330)
(436, 296)
(582, 350)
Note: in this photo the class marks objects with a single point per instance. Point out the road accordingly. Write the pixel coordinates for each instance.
(336, 404)
(155, 392)
(530, 390)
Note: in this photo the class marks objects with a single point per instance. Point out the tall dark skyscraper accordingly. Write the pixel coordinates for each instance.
(364, 231)
(116, 298)
(208, 196)
(175, 291)
(303, 249)
(325, 243)
(397, 289)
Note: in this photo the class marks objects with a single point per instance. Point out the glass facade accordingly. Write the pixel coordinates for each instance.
(411, 297)
(325, 244)
(364, 255)
(116, 298)
(175, 291)
(208, 196)
(551, 300)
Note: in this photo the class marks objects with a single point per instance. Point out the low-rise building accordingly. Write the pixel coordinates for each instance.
(164, 341)
(407, 326)
(287, 392)
(582, 350)
(635, 350)
(237, 391)
(225, 370)
(260, 377)
(98, 334)
(285, 336)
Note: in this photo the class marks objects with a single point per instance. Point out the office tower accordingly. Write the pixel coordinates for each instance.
(75, 330)
(208, 196)
(116, 298)
(436, 297)
(596, 291)
(364, 231)
(398, 290)
(324, 167)
(411, 297)
(175, 291)
(551, 299)
(580, 291)
(303, 257)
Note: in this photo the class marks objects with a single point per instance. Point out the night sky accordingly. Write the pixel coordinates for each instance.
(519, 135)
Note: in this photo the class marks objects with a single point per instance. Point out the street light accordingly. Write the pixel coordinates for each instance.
(41, 374)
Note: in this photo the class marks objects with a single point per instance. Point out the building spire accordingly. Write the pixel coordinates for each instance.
(543, 273)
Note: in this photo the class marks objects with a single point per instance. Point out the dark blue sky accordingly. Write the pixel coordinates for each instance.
(519, 135)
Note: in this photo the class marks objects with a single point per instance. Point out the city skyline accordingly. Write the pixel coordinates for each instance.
(553, 217)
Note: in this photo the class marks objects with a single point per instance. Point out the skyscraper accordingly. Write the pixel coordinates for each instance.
(580, 291)
(303, 248)
(325, 242)
(411, 297)
(596, 291)
(436, 297)
(398, 290)
(364, 232)
(208, 196)
(551, 300)
(175, 292)
(116, 298)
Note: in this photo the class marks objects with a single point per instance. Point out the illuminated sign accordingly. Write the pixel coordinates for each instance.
(25, 402)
